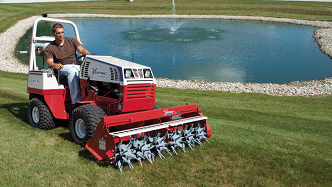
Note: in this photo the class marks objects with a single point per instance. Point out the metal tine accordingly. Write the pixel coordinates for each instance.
(206, 135)
(144, 157)
(176, 141)
(119, 165)
(173, 132)
(136, 147)
(185, 133)
(150, 157)
(158, 134)
(198, 142)
(174, 150)
(140, 163)
(189, 144)
(143, 148)
(171, 138)
(160, 155)
(139, 159)
(196, 129)
(183, 149)
(150, 137)
(157, 139)
(140, 156)
(172, 147)
(162, 145)
(133, 140)
(149, 160)
(182, 133)
(198, 124)
(182, 146)
(127, 153)
(166, 149)
(191, 125)
(203, 134)
(131, 167)
(192, 131)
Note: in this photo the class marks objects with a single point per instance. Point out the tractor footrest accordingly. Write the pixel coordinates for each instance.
(158, 126)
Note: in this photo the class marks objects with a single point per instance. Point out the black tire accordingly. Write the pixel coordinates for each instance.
(83, 122)
(39, 115)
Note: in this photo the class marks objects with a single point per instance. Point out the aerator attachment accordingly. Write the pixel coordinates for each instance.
(121, 140)
(149, 146)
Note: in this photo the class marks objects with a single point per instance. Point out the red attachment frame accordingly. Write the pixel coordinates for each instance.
(103, 143)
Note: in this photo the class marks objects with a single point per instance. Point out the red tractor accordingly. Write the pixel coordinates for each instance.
(117, 120)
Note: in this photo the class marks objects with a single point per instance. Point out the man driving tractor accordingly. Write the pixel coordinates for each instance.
(61, 55)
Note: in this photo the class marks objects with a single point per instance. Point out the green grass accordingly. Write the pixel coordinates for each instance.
(257, 140)
(11, 13)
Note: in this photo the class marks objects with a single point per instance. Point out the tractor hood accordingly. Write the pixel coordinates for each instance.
(111, 69)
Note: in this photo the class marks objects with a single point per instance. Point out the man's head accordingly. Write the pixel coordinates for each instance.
(58, 32)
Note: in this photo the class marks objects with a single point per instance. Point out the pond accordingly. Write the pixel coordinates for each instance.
(210, 50)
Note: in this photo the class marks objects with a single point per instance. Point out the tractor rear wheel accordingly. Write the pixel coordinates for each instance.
(39, 114)
(83, 122)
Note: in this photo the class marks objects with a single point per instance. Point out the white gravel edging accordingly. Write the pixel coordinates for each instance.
(297, 88)
(323, 36)
(9, 39)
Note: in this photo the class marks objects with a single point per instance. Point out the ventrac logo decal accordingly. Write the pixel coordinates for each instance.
(137, 73)
(96, 72)
(169, 113)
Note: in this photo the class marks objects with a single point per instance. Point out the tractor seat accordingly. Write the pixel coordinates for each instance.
(61, 78)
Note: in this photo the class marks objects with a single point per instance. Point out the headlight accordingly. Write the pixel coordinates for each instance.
(147, 73)
(128, 73)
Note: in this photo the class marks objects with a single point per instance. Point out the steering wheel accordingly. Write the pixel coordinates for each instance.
(78, 59)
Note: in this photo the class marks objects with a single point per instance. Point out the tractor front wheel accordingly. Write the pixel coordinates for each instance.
(83, 122)
(39, 114)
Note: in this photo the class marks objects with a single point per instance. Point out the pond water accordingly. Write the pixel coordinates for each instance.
(210, 50)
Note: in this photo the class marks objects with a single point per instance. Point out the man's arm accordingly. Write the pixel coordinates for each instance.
(50, 62)
(82, 50)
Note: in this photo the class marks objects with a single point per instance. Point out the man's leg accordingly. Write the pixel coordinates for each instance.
(72, 72)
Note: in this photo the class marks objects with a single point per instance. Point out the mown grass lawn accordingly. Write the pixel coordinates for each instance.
(258, 140)
(11, 13)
